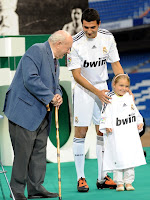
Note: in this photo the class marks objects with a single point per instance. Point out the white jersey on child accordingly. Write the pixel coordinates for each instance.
(92, 55)
(122, 147)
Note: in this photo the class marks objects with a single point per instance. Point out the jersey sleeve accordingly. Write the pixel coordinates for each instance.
(73, 60)
(113, 52)
(137, 113)
(139, 116)
(106, 118)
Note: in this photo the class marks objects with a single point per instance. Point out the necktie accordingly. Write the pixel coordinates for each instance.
(55, 63)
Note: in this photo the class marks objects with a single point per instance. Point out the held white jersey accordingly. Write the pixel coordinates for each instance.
(92, 55)
(123, 147)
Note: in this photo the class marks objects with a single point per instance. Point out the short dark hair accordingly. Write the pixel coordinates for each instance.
(89, 15)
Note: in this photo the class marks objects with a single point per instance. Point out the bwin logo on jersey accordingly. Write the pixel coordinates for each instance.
(125, 121)
(98, 63)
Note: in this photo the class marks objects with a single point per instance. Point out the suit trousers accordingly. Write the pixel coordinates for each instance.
(29, 164)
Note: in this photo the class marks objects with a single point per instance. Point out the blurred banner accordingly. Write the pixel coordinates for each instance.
(120, 14)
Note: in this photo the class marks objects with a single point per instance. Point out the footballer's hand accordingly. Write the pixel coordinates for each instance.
(130, 92)
(103, 96)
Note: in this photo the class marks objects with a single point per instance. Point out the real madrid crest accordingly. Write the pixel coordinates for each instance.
(104, 50)
(132, 107)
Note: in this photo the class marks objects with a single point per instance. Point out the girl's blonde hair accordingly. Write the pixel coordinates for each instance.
(117, 77)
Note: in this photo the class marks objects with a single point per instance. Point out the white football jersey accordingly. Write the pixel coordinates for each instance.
(122, 147)
(92, 55)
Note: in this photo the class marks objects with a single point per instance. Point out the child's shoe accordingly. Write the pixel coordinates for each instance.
(120, 187)
(129, 187)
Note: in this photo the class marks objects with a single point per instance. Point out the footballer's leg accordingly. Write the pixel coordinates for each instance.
(82, 119)
(79, 157)
(103, 181)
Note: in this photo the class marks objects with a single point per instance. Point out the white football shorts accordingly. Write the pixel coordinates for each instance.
(87, 106)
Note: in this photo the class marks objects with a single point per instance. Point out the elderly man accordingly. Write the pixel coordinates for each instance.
(28, 106)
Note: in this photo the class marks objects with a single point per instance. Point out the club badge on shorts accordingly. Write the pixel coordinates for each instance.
(76, 120)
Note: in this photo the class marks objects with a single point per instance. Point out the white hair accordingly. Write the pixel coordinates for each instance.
(60, 35)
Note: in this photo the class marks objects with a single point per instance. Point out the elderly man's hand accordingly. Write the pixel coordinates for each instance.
(57, 100)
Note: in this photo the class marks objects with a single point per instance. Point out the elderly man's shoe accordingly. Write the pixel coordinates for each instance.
(43, 195)
(18, 196)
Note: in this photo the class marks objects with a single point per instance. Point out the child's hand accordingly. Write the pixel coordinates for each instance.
(108, 130)
(140, 126)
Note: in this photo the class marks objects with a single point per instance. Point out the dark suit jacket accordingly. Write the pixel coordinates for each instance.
(33, 87)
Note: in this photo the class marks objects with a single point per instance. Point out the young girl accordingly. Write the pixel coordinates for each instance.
(120, 122)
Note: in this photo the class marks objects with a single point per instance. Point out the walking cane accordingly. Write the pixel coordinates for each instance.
(58, 150)
(4, 172)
